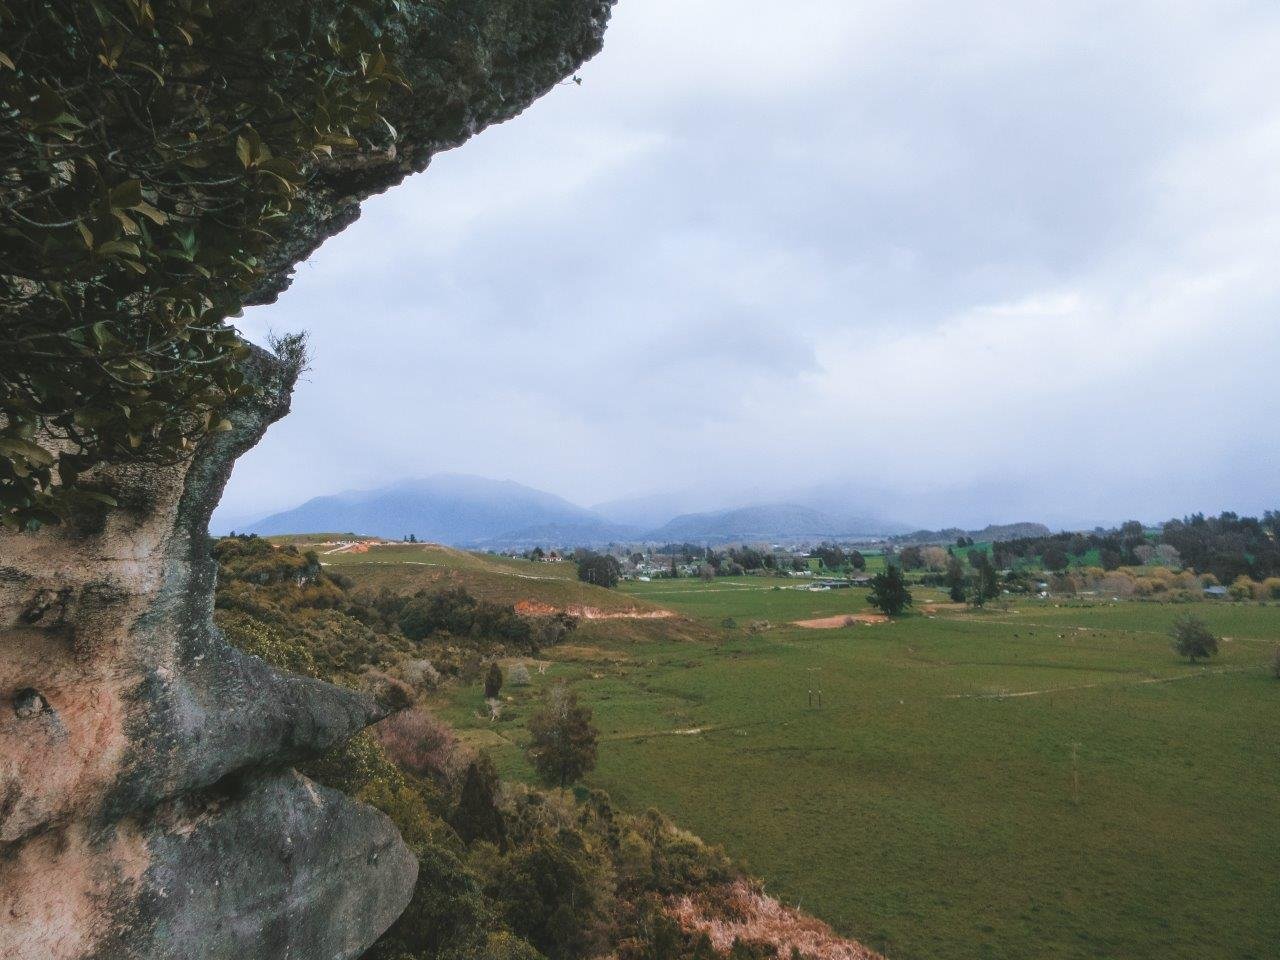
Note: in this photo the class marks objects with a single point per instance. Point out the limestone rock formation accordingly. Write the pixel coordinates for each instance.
(148, 808)
(146, 805)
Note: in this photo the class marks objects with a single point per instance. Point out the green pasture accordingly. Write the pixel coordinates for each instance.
(1041, 781)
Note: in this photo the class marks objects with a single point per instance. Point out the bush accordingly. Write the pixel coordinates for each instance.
(557, 892)
(419, 743)
(1245, 588)
(420, 674)
(391, 693)
(447, 916)
(1192, 638)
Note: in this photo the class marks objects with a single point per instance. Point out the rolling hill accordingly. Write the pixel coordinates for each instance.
(469, 511)
(783, 521)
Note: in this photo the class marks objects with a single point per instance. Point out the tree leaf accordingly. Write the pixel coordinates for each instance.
(126, 195)
(122, 248)
(28, 451)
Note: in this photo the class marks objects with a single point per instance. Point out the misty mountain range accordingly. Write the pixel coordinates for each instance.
(472, 511)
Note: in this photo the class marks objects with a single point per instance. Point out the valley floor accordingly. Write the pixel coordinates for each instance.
(1046, 780)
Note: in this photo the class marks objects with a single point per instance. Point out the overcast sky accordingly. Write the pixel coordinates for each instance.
(1023, 254)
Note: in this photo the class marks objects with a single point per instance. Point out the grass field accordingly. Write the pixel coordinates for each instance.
(1038, 782)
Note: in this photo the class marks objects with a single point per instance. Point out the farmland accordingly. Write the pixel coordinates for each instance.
(1032, 780)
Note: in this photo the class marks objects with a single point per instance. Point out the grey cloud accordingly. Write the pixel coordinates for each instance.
(902, 244)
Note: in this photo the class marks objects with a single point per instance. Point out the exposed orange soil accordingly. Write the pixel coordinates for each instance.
(741, 911)
(841, 620)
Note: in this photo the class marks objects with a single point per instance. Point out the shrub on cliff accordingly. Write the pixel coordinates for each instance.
(556, 891)
(420, 744)
(477, 817)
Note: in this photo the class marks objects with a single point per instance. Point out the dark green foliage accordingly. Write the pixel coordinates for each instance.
(832, 557)
(1055, 557)
(986, 584)
(600, 569)
(663, 940)
(911, 558)
(955, 580)
(562, 740)
(1229, 545)
(152, 154)
(889, 593)
(556, 892)
(464, 618)
(493, 681)
(447, 917)
(1193, 639)
(477, 816)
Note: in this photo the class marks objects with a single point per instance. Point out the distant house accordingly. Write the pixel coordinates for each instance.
(553, 557)
(1216, 592)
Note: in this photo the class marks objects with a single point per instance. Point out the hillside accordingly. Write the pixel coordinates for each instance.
(782, 521)
(407, 568)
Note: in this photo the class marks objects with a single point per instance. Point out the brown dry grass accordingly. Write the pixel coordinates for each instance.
(741, 911)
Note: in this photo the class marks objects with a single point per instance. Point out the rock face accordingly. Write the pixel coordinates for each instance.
(148, 808)
(146, 805)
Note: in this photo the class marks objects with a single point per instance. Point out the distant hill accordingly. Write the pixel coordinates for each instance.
(995, 533)
(649, 512)
(591, 532)
(447, 508)
(782, 521)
